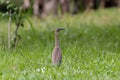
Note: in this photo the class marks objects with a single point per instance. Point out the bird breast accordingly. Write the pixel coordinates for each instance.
(56, 55)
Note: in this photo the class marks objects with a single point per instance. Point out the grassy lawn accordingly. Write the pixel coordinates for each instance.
(90, 47)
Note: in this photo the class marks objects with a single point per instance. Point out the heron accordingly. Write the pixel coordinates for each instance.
(56, 54)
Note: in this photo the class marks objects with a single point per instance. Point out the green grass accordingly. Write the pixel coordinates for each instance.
(90, 44)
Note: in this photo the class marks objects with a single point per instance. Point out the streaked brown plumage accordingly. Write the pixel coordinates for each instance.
(56, 54)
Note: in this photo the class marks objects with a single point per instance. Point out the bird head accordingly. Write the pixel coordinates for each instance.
(59, 29)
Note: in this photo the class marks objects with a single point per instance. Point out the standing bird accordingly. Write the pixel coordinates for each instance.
(56, 54)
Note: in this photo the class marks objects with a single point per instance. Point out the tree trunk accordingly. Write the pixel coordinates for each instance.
(89, 4)
(75, 6)
(118, 3)
(50, 7)
(65, 5)
(26, 4)
(36, 7)
(102, 3)
(9, 30)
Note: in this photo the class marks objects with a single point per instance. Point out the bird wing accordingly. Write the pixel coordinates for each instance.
(56, 55)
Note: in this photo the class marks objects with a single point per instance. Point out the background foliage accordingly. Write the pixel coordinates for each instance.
(90, 46)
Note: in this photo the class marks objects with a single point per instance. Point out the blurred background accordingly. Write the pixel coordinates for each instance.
(56, 7)
(43, 16)
(38, 17)
(90, 43)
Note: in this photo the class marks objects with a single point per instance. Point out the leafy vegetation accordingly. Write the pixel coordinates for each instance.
(15, 13)
(90, 46)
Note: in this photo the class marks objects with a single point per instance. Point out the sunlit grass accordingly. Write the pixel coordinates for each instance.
(90, 44)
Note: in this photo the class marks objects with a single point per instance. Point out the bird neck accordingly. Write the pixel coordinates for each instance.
(56, 39)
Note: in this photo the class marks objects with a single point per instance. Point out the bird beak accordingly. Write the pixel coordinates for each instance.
(59, 29)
